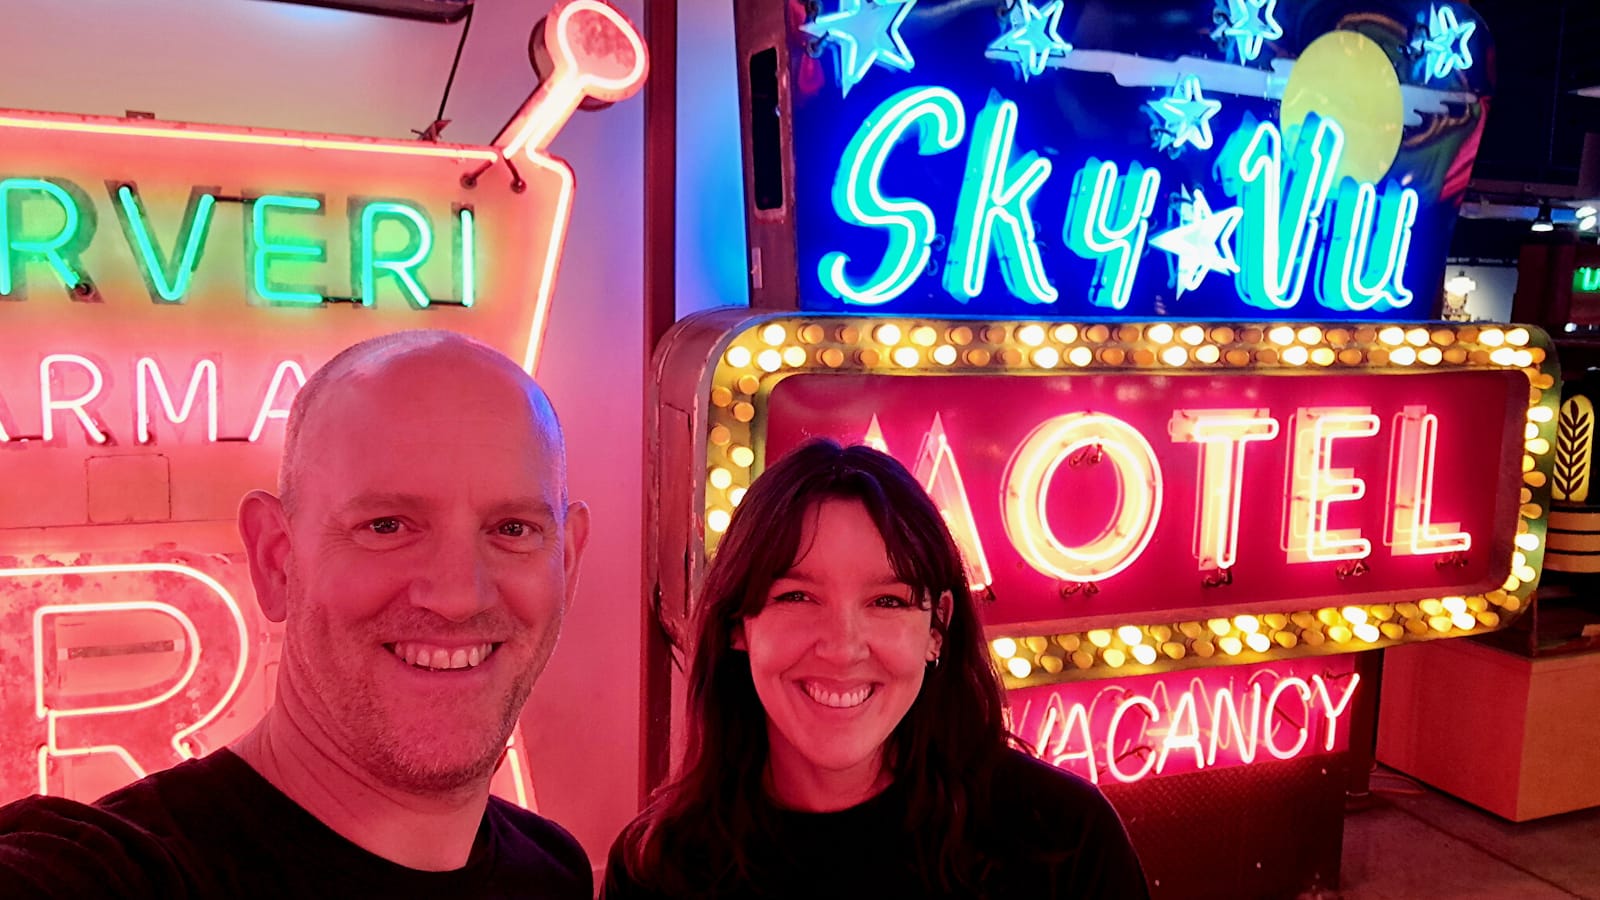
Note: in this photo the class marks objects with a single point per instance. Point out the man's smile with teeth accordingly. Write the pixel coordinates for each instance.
(431, 656)
(837, 699)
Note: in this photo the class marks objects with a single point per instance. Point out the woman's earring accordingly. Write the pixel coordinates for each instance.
(934, 662)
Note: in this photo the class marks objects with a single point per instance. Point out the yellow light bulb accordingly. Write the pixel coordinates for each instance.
(1080, 356)
(1231, 645)
(1005, 647)
(1160, 333)
(1417, 337)
(1283, 335)
(774, 334)
(1392, 336)
(1131, 635)
(742, 457)
(1100, 637)
(1219, 627)
(1323, 356)
(1247, 624)
(1192, 335)
(717, 520)
(794, 357)
(1527, 542)
(1019, 667)
(1355, 615)
(1464, 621)
(1310, 334)
(1367, 632)
(721, 478)
(1541, 414)
(887, 334)
(736, 496)
(1258, 642)
(1402, 356)
(923, 336)
(1491, 337)
(1032, 335)
(1174, 355)
(1430, 356)
(1114, 657)
(1208, 354)
(1046, 357)
(906, 357)
(1296, 356)
(769, 360)
(1145, 654)
(738, 357)
(1065, 334)
(944, 355)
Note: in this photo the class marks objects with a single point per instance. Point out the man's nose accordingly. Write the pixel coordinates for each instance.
(455, 582)
(842, 637)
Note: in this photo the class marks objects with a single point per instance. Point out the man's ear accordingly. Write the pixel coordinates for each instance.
(576, 538)
(265, 530)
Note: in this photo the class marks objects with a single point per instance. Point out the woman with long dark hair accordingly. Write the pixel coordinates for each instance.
(845, 725)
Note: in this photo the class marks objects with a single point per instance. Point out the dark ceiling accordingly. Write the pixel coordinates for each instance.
(1533, 144)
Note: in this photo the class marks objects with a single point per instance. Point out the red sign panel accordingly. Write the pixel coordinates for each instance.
(1102, 498)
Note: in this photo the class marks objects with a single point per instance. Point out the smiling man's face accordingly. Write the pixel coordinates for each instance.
(431, 558)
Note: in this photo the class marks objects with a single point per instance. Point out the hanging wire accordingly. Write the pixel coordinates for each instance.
(431, 133)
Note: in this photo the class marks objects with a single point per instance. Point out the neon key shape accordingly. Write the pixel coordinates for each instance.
(597, 53)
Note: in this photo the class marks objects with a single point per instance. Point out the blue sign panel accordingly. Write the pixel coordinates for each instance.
(1268, 159)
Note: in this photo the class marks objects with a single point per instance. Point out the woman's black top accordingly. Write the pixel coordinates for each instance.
(1044, 834)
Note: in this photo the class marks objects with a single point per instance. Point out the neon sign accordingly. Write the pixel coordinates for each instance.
(146, 371)
(1070, 143)
(1326, 488)
(1176, 723)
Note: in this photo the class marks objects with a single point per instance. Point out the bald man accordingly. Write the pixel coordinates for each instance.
(421, 552)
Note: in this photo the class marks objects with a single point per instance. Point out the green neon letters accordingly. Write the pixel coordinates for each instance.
(997, 192)
(262, 249)
(940, 123)
(419, 243)
(467, 254)
(1107, 221)
(1282, 203)
(1362, 270)
(1586, 280)
(59, 250)
(167, 278)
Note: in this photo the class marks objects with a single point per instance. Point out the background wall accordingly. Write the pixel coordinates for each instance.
(276, 65)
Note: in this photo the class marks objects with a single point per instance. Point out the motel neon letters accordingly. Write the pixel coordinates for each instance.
(1223, 438)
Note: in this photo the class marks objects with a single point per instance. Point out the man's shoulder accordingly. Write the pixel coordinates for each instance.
(51, 846)
(527, 840)
(130, 842)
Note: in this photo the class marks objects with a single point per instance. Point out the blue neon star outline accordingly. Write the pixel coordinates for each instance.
(1201, 242)
(867, 33)
(1184, 116)
(1248, 23)
(1032, 36)
(1446, 42)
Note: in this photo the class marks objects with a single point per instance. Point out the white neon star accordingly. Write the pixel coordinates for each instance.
(1248, 23)
(868, 33)
(1032, 36)
(1185, 116)
(1446, 43)
(1202, 242)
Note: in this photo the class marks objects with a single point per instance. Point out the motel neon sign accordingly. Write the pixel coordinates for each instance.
(1145, 496)
(165, 289)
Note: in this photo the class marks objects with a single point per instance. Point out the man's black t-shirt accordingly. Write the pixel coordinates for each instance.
(1045, 834)
(214, 827)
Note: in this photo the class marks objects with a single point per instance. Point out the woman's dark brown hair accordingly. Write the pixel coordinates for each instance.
(710, 826)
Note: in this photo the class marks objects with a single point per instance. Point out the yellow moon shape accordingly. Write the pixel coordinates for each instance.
(1346, 76)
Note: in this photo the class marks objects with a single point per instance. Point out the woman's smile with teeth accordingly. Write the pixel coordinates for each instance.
(837, 699)
(431, 656)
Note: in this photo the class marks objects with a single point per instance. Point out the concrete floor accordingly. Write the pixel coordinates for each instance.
(1409, 841)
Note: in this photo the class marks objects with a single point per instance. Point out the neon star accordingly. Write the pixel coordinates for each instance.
(1032, 36)
(1201, 243)
(1248, 23)
(1185, 116)
(1446, 42)
(868, 33)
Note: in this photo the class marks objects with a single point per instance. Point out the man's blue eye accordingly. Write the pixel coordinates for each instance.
(514, 529)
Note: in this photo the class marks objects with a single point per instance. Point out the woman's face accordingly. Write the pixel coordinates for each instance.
(837, 654)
